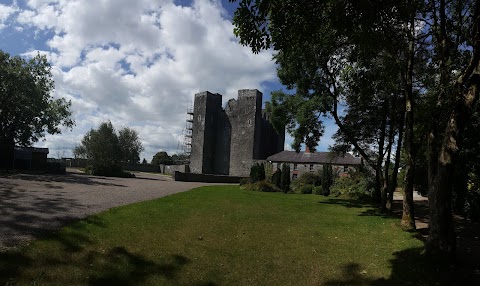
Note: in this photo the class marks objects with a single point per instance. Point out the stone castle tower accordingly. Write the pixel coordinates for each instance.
(228, 141)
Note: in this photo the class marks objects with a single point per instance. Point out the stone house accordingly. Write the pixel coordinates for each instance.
(307, 161)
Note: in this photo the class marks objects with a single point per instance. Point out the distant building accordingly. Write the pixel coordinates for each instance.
(30, 158)
(306, 161)
(227, 141)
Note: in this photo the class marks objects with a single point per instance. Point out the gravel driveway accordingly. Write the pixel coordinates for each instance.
(32, 205)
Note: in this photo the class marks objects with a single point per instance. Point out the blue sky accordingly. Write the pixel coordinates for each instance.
(136, 63)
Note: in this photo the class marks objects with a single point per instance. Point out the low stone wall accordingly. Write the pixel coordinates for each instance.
(206, 178)
(171, 169)
(142, 168)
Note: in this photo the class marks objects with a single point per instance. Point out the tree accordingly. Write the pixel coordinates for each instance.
(130, 145)
(285, 178)
(107, 150)
(257, 173)
(27, 108)
(327, 179)
(144, 161)
(80, 152)
(161, 158)
(312, 59)
(179, 159)
(103, 149)
(277, 178)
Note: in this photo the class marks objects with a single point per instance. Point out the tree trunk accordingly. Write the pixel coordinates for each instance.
(379, 170)
(441, 238)
(408, 216)
(386, 181)
(393, 183)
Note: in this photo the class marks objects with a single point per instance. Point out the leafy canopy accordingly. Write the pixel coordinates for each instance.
(27, 108)
(107, 149)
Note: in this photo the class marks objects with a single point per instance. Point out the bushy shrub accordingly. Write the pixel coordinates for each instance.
(263, 186)
(107, 171)
(318, 190)
(305, 189)
(257, 173)
(268, 171)
(355, 186)
(244, 181)
(277, 178)
(313, 179)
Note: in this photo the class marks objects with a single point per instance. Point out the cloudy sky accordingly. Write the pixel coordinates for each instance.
(135, 63)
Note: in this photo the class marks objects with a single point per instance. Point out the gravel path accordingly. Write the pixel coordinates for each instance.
(31, 205)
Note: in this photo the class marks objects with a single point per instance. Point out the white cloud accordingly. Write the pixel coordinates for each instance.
(139, 63)
(5, 13)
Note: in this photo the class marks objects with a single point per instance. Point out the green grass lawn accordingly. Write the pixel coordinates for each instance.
(223, 236)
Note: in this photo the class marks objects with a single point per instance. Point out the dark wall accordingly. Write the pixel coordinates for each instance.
(213, 108)
(272, 142)
(243, 119)
(39, 161)
(142, 167)
(205, 114)
(206, 178)
(7, 150)
(222, 144)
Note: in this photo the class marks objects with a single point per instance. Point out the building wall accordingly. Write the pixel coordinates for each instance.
(227, 141)
(39, 161)
(296, 170)
(223, 140)
(245, 141)
(206, 112)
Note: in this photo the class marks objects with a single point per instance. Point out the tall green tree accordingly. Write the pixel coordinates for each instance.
(107, 150)
(161, 157)
(315, 59)
(103, 149)
(285, 178)
(130, 145)
(327, 179)
(28, 110)
(442, 35)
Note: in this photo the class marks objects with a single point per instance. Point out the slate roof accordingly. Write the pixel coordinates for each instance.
(315, 158)
(31, 150)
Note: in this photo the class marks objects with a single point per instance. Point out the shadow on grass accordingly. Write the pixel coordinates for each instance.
(136, 269)
(348, 203)
(94, 266)
(410, 267)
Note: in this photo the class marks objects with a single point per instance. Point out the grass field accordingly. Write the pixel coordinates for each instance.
(224, 236)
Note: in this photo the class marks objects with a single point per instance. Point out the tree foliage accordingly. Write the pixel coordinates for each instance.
(107, 150)
(327, 179)
(130, 145)
(161, 157)
(366, 56)
(257, 173)
(28, 109)
(285, 178)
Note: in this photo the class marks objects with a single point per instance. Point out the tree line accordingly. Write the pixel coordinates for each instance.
(400, 79)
